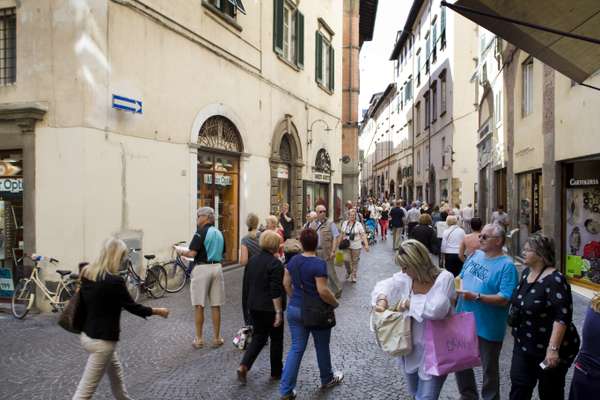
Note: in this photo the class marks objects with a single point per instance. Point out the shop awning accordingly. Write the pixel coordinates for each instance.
(562, 34)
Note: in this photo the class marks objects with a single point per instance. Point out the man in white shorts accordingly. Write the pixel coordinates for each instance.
(207, 248)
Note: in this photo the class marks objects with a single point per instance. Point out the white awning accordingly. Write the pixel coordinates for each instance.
(562, 34)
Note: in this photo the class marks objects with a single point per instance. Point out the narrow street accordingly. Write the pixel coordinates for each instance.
(41, 361)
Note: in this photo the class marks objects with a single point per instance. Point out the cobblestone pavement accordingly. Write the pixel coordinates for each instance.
(41, 361)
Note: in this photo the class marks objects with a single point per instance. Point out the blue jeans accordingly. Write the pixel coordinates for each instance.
(424, 390)
(299, 342)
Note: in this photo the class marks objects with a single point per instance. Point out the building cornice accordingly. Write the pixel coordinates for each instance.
(24, 114)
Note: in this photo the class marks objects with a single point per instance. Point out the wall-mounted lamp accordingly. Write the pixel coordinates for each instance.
(309, 137)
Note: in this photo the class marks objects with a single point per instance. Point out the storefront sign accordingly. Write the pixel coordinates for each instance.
(583, 182)
(11, 185)
(223, 180)
(6, 283)
(321, 177)
(283, 172)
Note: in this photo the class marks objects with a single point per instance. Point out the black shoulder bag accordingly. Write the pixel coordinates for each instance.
(345, 243)
(316, 314)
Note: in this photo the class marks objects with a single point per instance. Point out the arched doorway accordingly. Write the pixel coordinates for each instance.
(219, 149)
(392, 189)
(286, 170)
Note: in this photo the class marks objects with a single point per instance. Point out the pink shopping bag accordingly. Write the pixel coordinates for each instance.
(451, 344)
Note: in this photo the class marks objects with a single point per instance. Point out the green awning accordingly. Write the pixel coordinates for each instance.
(577, 58)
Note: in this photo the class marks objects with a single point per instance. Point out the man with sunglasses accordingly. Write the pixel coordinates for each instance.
(488, 280)
(328, 233)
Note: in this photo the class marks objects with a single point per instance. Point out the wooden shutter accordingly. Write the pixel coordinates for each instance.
(318, 57)
(278, 26)
(299, 39)
(332, 68)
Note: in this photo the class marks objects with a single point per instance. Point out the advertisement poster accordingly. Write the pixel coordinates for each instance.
(2, 233)
(583, 234)
(6, 282)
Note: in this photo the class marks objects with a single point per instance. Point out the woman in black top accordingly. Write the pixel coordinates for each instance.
(425, 234)
(102, 297)
(286, 221)
(541, 319)
(263, 300)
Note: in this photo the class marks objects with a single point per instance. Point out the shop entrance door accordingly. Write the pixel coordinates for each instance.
(218, 187)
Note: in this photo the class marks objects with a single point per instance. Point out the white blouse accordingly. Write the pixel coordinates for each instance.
(451, 239)
(435, 304)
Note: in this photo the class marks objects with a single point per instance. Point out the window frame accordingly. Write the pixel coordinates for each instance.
(289, 46)
(527, 87)
(8, 56)
(324, 58)
(443, 93)
(427, 97)
(433, 89)
(418, 118)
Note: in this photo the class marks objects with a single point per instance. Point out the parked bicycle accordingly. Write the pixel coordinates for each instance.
(25, 291)
(179, 271)
(154, 282)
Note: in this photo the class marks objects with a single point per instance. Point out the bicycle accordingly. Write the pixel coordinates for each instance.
(25, 291)
(153, 284)
(179, 271)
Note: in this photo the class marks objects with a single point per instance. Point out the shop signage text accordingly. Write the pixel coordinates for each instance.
(283, 172)
(11, 185)
(584, 182)
(127, 104)
(6, 282)
(222, 180)
(321, 177)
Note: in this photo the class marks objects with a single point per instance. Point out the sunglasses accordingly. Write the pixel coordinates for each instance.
(486, 237)
(322, 212)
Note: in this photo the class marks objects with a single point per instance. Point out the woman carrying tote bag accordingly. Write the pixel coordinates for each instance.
(305, 280)
(426, 292)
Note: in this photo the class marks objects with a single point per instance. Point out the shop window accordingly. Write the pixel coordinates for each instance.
(288, 32)
(11, 218)
(530, 205)
(8, 46)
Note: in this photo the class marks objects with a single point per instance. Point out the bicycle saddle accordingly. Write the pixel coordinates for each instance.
(149, 256)
(62, 272)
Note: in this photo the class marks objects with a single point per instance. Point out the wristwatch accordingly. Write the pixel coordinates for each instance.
(478, 298)
(553, 348)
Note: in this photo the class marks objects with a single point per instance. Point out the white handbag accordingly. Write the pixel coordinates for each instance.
(393, 331)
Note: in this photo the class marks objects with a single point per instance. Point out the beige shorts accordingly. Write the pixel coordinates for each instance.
(207, 283)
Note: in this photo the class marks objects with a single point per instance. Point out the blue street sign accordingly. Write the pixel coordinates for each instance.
(127, 104)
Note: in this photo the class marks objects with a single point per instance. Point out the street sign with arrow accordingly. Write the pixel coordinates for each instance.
(127, 104)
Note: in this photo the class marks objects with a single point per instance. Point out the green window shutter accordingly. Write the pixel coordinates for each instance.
(299, 39)
(318, 57)
(278, 26)
(332, 69)
(443, 19)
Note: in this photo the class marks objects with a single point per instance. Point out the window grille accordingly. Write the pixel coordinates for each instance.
(8, 46)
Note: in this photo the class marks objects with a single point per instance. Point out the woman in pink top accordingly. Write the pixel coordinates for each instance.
(471, 241)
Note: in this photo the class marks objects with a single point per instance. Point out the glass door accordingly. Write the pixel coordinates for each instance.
(218, 187)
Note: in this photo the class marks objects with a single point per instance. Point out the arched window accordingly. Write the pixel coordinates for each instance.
(219, 133)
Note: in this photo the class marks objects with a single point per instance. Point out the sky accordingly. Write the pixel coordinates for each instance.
(376, 71)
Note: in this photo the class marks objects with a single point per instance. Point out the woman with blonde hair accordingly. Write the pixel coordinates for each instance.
(264, 299)
(426, 292)
(102, 297)
(272, 223)
(586, 376)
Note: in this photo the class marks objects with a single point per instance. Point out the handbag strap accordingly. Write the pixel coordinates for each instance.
(530, 285)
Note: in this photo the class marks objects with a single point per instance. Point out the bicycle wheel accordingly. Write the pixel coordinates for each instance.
(23, 298)
(65, 294)
(176, 276)
(132, 287)
(156, 281)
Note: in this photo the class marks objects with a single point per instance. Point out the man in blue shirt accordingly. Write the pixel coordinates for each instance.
(488, 280)
(207, 283)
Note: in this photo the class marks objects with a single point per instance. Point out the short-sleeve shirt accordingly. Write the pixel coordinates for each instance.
(252, 245)
(497, 275)
(397, 216)
(309, 268)
(358, 230)
(541, 304)
(318, 225)
(208, 244)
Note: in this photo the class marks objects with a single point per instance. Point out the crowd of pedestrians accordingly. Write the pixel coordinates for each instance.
(291, 272)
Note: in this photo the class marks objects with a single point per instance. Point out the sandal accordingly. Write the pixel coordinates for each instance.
(198, 343)
(218, 342)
